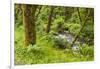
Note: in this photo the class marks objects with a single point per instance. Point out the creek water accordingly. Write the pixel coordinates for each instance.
(69, 38)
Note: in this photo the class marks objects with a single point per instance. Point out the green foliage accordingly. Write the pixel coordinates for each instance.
(73, 28)
(57, 21)
(18, 15)
(86, 50)
(50, 48)
(34, 48)
(61, 43)
(74, 18)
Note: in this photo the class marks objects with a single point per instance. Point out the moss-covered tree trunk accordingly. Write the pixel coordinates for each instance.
(29, 24)
(49, 20)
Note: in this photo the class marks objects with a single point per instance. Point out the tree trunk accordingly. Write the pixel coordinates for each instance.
(79, 15)
(83, 25)
(49, 20)
(66, 13)
(29, 24)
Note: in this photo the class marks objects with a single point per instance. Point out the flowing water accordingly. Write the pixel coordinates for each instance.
(69, 38)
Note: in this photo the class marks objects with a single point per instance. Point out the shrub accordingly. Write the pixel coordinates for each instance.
(86, 50)
(61, 43)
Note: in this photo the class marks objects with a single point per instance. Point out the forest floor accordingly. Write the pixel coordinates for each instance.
(43, 52)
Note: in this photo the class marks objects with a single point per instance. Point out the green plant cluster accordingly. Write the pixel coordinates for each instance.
(48, 48)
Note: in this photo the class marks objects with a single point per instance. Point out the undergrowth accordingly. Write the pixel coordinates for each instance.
(45, 52)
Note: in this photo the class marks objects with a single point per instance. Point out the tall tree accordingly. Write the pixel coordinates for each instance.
(82, 27)
(49, 19)
(79, 15)
(29, 23)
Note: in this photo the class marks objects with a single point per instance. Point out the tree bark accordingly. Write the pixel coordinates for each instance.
(49, 20)
(29, 24)
(79, 15)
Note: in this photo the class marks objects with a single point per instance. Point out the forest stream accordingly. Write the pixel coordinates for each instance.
(69, 38)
